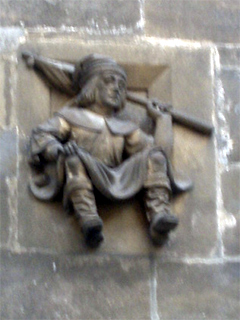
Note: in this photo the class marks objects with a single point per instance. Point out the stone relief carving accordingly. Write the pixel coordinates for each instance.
(85, 146)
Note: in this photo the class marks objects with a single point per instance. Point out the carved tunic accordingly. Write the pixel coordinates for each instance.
(104, 138)
(102, 142)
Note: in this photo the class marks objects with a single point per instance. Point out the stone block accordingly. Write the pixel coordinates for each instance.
(231, 84)
(230, 189)
(8, 190)
(2, 94)
(229, 56)
(125, 225)
(217, 21)
(93, 16)
(7, 91)
(198, 291)
(35, 286)
(231, 202)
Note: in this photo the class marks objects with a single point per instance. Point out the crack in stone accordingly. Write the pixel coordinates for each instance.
(223, 147)
(155, 315)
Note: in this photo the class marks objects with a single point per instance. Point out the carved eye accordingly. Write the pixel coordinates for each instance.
(122, 85)
(108, 79)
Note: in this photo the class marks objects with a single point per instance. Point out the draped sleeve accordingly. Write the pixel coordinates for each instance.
(53, 131)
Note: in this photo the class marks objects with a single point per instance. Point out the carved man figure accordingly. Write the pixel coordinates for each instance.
(91, 140)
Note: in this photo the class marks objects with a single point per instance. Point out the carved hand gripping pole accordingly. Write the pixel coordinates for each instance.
(179, 117)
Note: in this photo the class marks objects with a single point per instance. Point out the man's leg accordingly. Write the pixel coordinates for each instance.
(79, 191)
(157, 196)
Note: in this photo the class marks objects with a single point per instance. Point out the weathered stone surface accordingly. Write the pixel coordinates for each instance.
(7, 108)
(35, 286)
(115, 17)
(229, 56)
(9, 36)
(8, 171)
(2, 95)
(231, 84)
(231, 201)
(217, 21)
(33, 99)
(198, 291)
(230, 189)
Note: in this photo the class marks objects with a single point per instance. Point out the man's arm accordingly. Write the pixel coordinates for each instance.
(163, 135)
(179, 117)
(47, 139)
(57, 73)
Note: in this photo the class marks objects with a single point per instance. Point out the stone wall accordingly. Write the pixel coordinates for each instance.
(46, 271)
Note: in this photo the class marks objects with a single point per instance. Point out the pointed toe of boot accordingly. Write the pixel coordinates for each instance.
(92, 232)
(163, 223)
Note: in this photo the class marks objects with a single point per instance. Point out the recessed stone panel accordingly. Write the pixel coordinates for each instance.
(184, 78)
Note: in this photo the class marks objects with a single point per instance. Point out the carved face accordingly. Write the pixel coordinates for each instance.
(111, 90)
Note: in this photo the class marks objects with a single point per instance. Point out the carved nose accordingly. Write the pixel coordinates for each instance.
(116, 85)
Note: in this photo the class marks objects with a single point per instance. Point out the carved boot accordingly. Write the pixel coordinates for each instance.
(157, 203)
(85, 209)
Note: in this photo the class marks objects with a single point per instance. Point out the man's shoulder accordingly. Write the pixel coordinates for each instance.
(121, 127)
(87, 119)
(81, 118)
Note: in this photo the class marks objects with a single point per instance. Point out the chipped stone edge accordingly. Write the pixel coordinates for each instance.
(154, 312)
(223, 147)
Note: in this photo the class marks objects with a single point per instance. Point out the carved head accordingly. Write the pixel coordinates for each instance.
(100, 80)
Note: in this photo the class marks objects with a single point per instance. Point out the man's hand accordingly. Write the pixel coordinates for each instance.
(52, 151)
(70, 148)
(29, 58)
(155, 109)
